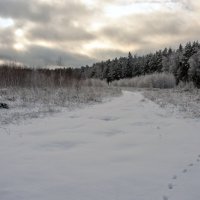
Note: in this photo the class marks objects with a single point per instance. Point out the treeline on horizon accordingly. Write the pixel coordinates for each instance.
(12, 75)
(183, 63)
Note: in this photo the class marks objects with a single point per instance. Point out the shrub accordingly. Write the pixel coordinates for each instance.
(157, 80)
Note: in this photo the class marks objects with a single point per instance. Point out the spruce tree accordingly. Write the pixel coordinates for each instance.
(194, 70)
(182, 73)
(129, 66)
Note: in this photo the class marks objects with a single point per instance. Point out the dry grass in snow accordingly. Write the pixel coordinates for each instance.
(33, 102)
(184, 98)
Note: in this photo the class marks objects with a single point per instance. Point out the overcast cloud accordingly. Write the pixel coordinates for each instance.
(38, 32)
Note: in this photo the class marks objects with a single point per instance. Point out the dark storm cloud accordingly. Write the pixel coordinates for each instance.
(122, 36)
(160, 23)
(24, 10)
(51, 22)
(7, 37)
(42, 56)
(139, 27)
(152, 31)
(50, 56)
(35, 10)
(52, 32)
(7, 53)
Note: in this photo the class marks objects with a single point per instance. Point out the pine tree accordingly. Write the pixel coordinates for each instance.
(165, 52)
(135, 67)
(182, 72)
(129, 66)
(148, 63)
(194, 70)
(122, 66)
(180, 48)
(114, 73)
(170, 51)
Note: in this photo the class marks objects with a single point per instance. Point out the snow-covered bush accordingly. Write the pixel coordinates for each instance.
(186, 86)
(157, 80)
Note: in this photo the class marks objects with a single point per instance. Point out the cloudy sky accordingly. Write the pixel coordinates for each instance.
(80, 32)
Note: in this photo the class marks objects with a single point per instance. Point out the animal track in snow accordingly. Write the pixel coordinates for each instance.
(112, 132)
(198, 159)
(174, 177)
(170, 186)
(185, 171)
(165, 198)
(109, 118)
(74, 116)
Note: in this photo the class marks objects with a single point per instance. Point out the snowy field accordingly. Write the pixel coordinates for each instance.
(27, 103)
(179, 100)
(125, 149)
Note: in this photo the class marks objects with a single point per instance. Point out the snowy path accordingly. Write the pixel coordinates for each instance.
(126, 149)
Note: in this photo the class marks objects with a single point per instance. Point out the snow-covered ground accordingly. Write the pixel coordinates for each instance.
(125, 149)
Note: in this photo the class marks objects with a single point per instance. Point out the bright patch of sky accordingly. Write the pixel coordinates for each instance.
(19, 33)
(89, 3)
(96, 45)
(19, 47)
(139, 7)
(6, 22)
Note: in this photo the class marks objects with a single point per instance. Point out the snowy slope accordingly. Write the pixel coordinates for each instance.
(125, 149)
